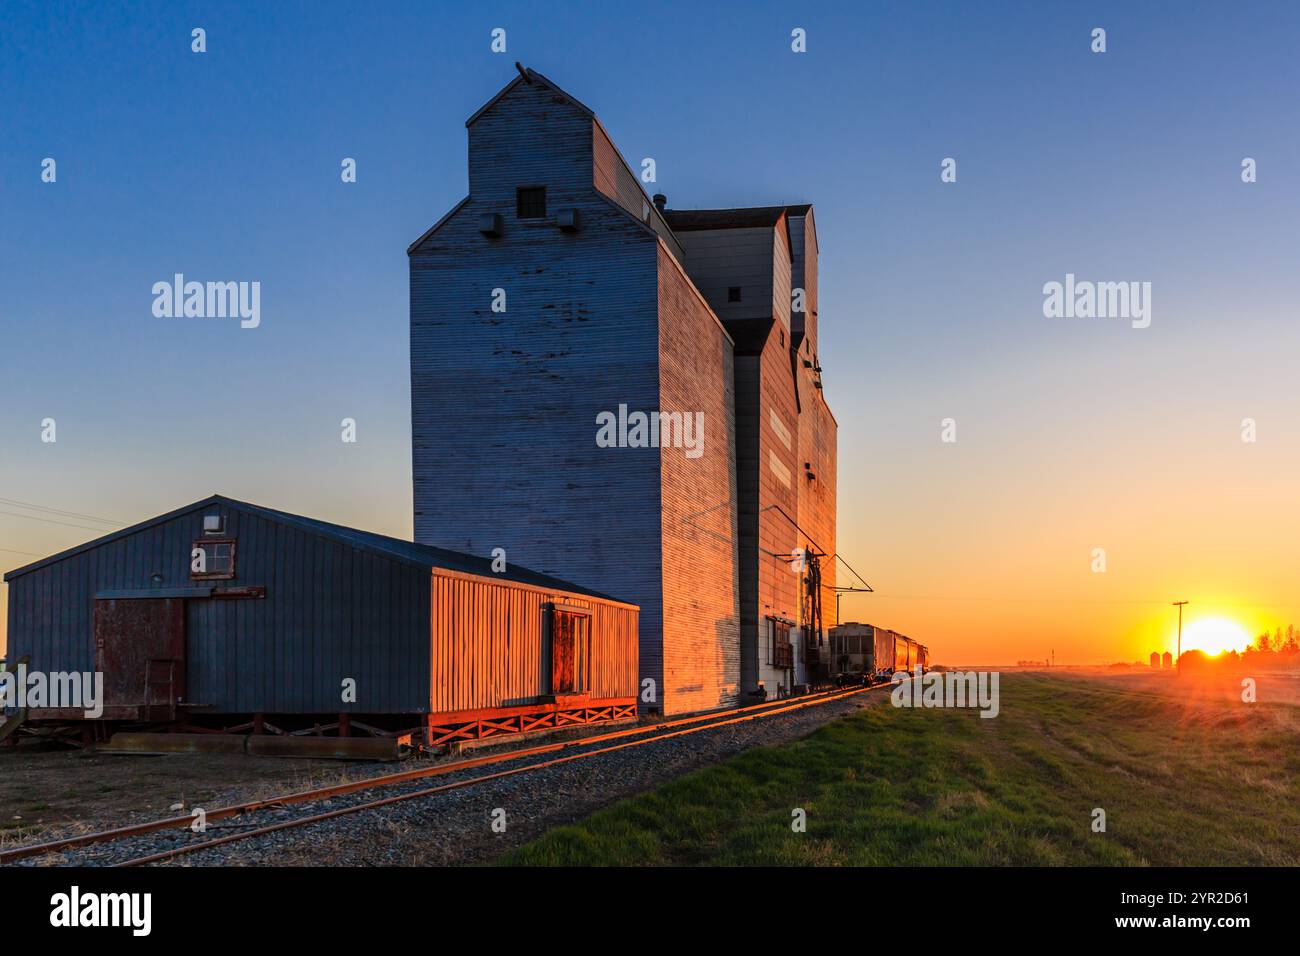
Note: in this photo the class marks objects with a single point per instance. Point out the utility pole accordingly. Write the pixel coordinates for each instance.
(839, 592)
(1178, 662)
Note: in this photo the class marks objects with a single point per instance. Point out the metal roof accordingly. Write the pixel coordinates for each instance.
(753, 217)
(530, 76)
(421, 555)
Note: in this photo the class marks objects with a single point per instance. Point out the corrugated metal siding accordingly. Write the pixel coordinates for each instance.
(885, 641)
(330, 612)
(902, 651)
(487, 644)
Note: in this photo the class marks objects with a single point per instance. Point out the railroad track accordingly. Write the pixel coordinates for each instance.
(588, 747)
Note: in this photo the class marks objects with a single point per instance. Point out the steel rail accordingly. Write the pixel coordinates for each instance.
(401, 797)
(325, 793)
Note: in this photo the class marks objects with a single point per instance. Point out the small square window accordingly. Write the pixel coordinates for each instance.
(214, 524)
(217, 560)
(530, 202)
(733, 293)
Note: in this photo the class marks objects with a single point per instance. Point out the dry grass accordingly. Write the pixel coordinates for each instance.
(44, 794)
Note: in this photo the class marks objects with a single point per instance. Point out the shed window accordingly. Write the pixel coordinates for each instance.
(530, 202)
(216, 560)
(733, 293)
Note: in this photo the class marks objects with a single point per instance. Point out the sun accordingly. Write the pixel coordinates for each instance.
(1214, 635)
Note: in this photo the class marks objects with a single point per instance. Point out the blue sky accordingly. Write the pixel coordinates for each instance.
(1118, 166)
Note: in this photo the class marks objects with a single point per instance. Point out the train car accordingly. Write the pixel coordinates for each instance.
(862, 653)
(902, 653)
(884, 663)
(909, 655)
(853, 651)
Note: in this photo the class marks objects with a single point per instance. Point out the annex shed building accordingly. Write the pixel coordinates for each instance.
(226, 613)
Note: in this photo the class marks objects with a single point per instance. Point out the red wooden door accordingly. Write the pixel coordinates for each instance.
(563, 635)
(140, 650)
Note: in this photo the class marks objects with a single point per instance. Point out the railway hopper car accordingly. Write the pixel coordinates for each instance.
(853, 653)
(866, 654)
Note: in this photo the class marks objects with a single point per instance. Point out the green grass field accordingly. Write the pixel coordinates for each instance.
(1182, 783)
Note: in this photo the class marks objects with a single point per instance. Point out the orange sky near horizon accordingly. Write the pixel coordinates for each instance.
(983, 549)
(1010, 578)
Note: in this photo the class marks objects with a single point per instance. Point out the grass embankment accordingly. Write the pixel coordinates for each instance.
(1181, 782)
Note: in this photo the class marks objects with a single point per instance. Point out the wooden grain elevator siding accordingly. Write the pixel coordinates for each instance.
(701, 635)
(504, 406)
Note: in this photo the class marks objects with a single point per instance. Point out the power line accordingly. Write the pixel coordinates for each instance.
(30, 554)
(57, 511)
(84, 527)
(840, 558)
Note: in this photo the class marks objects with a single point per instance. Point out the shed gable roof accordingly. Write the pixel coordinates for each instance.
(408, 552)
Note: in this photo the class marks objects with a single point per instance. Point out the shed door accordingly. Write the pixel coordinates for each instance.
(140, 650)
(568, 652)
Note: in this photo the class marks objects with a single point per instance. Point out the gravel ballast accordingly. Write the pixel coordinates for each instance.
(457, 826)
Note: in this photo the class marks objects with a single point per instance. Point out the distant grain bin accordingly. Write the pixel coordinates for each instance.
(1168, 661)
(1155, 660)
(227, 615)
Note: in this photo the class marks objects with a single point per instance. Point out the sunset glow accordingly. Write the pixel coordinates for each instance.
(1215, 635)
